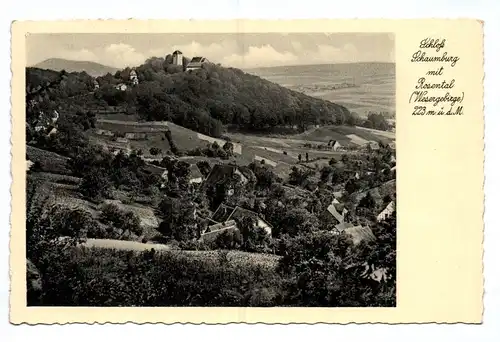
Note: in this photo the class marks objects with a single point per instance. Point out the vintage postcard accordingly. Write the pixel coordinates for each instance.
(301, 171)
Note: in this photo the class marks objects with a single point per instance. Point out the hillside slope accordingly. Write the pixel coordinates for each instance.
(212, 96)
(208, 100)
(92, 68)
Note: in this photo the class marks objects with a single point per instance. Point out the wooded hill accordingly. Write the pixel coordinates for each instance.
(204, 100)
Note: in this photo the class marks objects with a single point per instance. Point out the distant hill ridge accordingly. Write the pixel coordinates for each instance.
(92, 68)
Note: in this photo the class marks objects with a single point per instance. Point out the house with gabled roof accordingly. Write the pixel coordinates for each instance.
(225, 213)
(222, 213)
(196, 63)
(373, 146)
(156, 170)
(337, 210)
(195, 175)
(343, 226)
(334, 145)
(215, 229)
(225, 173)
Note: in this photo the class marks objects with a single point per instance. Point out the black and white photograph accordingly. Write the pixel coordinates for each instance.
(210, 169)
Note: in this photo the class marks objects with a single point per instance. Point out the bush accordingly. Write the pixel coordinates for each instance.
(154, 151)
(127, 221)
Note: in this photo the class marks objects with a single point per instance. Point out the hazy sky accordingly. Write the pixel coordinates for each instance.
(246, 50)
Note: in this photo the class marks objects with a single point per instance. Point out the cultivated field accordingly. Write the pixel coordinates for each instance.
(49, 161)
(374, 87)
(236, 257)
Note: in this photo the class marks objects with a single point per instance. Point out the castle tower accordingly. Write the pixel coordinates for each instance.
(177, 55)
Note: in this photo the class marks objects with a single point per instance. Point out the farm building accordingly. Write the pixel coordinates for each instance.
(196, 63)
(226, 213)
(96, 84)
(177, 57)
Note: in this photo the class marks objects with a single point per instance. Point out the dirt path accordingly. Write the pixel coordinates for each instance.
(123, 245)
(134, 123)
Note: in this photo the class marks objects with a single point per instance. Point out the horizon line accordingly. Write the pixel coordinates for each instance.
(228, 66)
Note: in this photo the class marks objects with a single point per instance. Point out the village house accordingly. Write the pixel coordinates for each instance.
(337, 211)
(226, 213)
(334, 145)
(196, 63)
(373, 146)
(156, 170)
(393, 158)
(195, 175)
(52, 131)
(177, 58)
(45, 121)
(339, 228)
(225, 174)
(121, 86)
(96, 84)
(217, 228)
